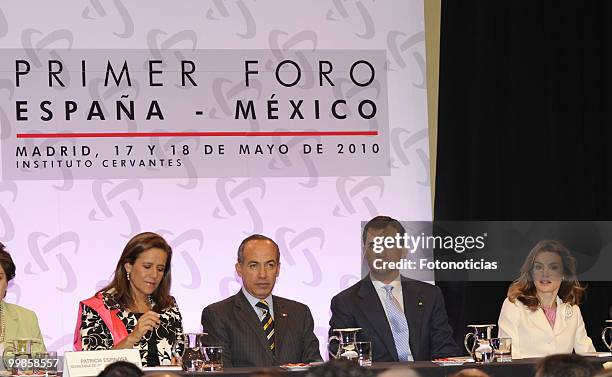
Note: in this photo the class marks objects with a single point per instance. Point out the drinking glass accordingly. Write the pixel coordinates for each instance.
(178, 349)
(502, 349)
(193, 357)
(45, 363)
(213, 359)
(364, 353)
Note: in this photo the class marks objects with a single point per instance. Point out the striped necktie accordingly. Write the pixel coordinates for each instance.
(267, 322)
(399, 325)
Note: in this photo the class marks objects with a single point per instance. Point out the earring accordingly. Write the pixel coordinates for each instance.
(128, 276)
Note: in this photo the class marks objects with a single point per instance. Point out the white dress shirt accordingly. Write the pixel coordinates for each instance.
(382, 294)
(254, 300)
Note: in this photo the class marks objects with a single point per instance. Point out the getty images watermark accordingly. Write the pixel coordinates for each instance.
(426, 242)
(482, 250)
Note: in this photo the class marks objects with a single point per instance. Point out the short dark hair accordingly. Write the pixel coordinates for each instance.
(566, 365)
(255, 237)
(607, 373)
(339, 368)
(7, 263)
(266, 372)
(121, 369)
(381, 222)
(470, 372)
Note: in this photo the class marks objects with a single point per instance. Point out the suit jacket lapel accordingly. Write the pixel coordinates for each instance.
(539, 320)
(281, 318)
(374, 312)
(413, 308)
(248, 315)
(564, 312)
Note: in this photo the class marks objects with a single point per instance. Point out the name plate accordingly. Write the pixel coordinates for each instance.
(91, 363)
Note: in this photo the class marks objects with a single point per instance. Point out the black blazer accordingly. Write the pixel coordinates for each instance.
(233, 324)
(430, 334)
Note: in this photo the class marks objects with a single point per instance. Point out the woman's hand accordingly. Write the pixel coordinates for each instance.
(149, 321)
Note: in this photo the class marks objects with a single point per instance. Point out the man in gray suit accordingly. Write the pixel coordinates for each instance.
(254, 327)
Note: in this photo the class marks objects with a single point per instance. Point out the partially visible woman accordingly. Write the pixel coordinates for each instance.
(541, 312)
(16, 322)
(135, 310)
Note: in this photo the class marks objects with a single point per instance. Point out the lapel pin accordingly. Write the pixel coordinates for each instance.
(283, 314)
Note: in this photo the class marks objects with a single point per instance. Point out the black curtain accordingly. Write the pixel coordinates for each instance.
(524, 128)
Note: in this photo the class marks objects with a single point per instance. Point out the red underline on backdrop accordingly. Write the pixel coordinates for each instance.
(80, 135)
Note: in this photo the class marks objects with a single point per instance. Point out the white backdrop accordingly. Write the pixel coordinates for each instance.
(66, 236)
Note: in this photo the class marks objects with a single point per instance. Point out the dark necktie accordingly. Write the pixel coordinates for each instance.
(267, 322)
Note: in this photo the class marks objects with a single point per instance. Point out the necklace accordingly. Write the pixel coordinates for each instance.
(137, 308)
(2, 322)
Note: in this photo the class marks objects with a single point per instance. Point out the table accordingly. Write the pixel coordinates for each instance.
(516, 368)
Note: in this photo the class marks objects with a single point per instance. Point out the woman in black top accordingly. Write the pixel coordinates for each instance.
(135, 310)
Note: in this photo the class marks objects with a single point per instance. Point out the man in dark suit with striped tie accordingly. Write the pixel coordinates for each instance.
(254, 327)
(405, 319)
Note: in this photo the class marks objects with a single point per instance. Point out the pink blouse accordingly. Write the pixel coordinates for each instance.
(551, 315)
